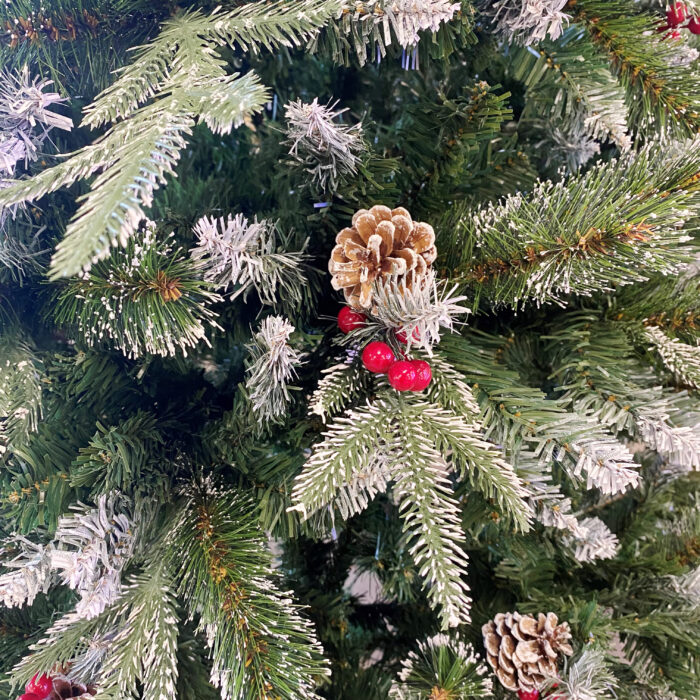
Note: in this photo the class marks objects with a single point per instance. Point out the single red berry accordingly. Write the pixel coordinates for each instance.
(349, 319)
(401, 336)
(40, 685)
(675, 14)
(31, 696)
(377, 357)
(402, 375)
(424, 374)
(674, 35)
(529, 694)
(694, 25)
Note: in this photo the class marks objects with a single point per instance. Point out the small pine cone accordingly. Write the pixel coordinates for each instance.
(522, 650)
(64, 688)
(381, 242)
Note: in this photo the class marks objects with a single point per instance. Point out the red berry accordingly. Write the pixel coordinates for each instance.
(401, 336)
(349, 319)
(529, 694)
(377, 357)
(31, 696)
(40, 685)
(674, 35)
(675, 14)
(424, 374)
(402, 375)
(694, 25)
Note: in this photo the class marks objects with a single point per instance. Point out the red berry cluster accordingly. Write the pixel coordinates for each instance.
(39, 688)
(379, 358)
(675, 16)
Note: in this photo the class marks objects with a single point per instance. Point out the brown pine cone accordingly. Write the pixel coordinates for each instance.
(381, 242)
(521, 649)
(64, 688)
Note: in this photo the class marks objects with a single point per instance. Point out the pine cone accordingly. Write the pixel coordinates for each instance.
(521, 650)
(64, 687)
(381, 242)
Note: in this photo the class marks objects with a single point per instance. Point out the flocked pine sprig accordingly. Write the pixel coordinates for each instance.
(20, 388)
(443, 667)
(261, 645)
(527, 21)
(586, 677)
(681, 359)
(273, 364)
(593, 541)
(370, 26)
(26, 118)
(418, 308)
(92, 546)
(147, 298)
(238, 256)
(339, 386)
(28, 572)
(328, 150)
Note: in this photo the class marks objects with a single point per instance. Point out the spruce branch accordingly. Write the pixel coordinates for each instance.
(340, 385)
(442, 667)
(407, 441)
(117, 457)
(592, 541)
(368, 28)
(187, 81)
(517, 415)
(251, 27)
(614, 225)
(91, 548)
(570, 85)
(431, 522)
(660, 97)
(260, 644)
(147, 298)
(142, 650)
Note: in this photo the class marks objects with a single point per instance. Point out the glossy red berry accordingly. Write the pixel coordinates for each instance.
(529, 694)
(402, 375)
(40, 685)
(377, 357)
(674, 35)
(694, 25)
(401, 336)
(349, 319)
(424, 374)
(675, 15)
(31, 696)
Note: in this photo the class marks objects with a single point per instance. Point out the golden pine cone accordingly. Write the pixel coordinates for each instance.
(522, 650)
(381, 242)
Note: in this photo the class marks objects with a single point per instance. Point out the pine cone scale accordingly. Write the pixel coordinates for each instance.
(523, 650)
(381, 243)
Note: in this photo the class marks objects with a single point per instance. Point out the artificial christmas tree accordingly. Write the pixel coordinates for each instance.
(246, 456)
